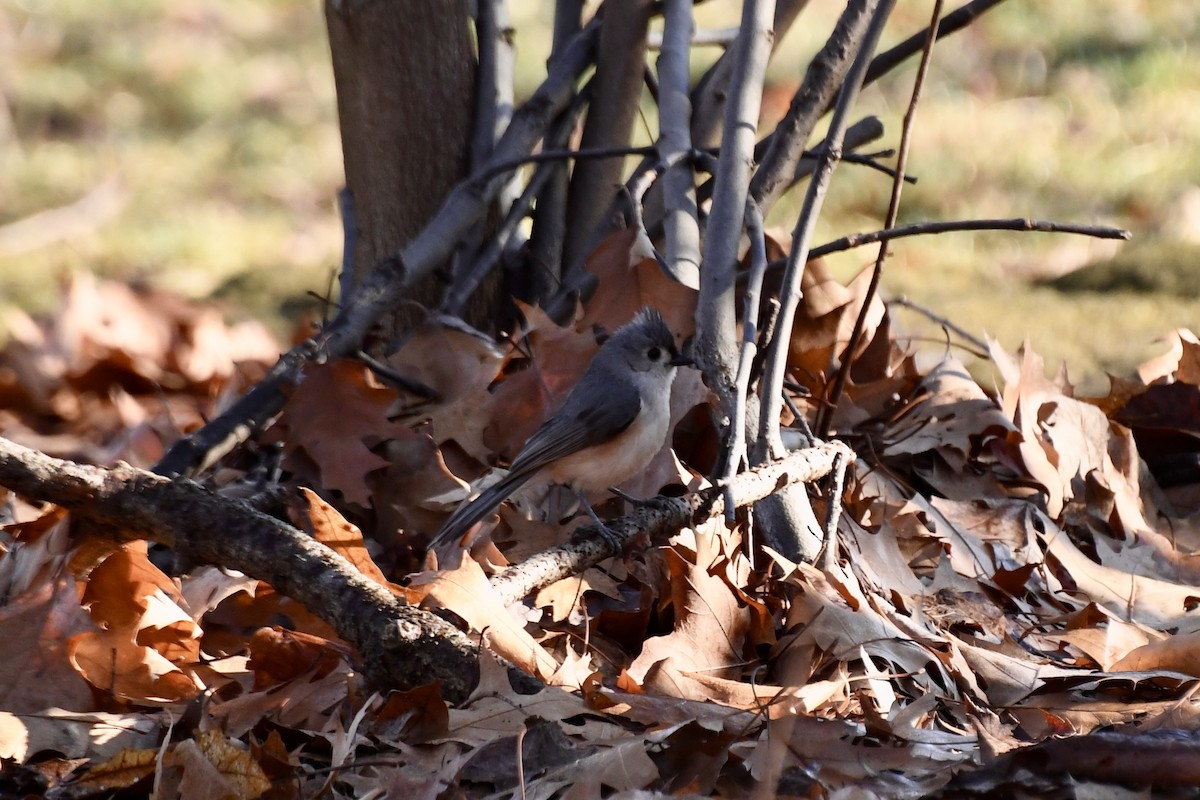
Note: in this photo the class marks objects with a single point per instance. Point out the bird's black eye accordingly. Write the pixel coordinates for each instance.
(653, 353)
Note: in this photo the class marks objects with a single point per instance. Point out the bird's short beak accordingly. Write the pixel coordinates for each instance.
(680, 360)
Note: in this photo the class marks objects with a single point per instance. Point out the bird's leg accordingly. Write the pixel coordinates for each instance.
(636, 502)
(610, 536)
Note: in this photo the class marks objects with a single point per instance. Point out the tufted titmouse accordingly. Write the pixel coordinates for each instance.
(609, 427)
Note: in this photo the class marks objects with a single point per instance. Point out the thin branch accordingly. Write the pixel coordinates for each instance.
(459, 292)
(716, 317)
(834, 512)
(953, 22)
(389, 279)
(398, 381)
(735, 452)
(705, 37)
(661, 517)
(620, 66)
(493, 111)
(979, 344)
(769, 440)
(830, 401)
(712, 90)
(860, 134)
(468, 279)
(567, 154)
(822, 79)
(494, 84)
(549, 228)
(680, 219)
(1021, 224)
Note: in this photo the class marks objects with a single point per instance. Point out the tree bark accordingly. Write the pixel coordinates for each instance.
(404, 71)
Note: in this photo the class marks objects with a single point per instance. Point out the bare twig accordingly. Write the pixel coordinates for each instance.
(620, 66)
(712, 90)
(821, 81)
(705, 37)
(955, 225)
(830, 401)
(402, 382)
(716, 316)
(834, 511)
(735, 452)
(662, 516)
(549, 228)
(1019, 224)
(787, 517)
(388, 279)
(494, 101)
(680, 222)
(565, 154)
(493, 110)
(860, 134)
(467, 280)
(769, 442)
(532, 286)
(955, 21)
(978, 343)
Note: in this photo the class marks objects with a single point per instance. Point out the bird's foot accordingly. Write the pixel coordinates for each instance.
(613, 539)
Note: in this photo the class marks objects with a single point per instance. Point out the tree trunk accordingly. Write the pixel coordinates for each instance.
(404, 71)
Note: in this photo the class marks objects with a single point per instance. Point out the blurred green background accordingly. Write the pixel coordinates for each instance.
(193, 145)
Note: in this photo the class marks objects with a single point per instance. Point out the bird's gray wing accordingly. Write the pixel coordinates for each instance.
(590, 417)
(587, 418)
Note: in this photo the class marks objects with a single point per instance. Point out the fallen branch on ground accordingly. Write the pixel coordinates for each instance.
(661, 516)
(400, 646)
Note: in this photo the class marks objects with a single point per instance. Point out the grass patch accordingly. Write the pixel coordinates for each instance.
(217, 121)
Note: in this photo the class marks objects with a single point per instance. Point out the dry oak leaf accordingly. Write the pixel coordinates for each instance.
(1178, 653)
(91, 735)
(825, 319)
(495, 710)
(305, 703)
(146, 641)
(711, 626)
(212, 766)
(1181, 362)
(1101, 636)
(119, 772)
(278, 655)
(155, 335)
(416, 490)
(630, 278)
(950, 415)
(1028, 399)
(558, 356)
(323, 522)
(335, 416)
(1158, 604)
(459, 363)
(466, 591)
(35, 627)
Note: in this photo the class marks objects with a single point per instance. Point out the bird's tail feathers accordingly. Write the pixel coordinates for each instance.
(478, 508)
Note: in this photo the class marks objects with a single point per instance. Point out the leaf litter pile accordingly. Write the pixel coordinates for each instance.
(1009, 608)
